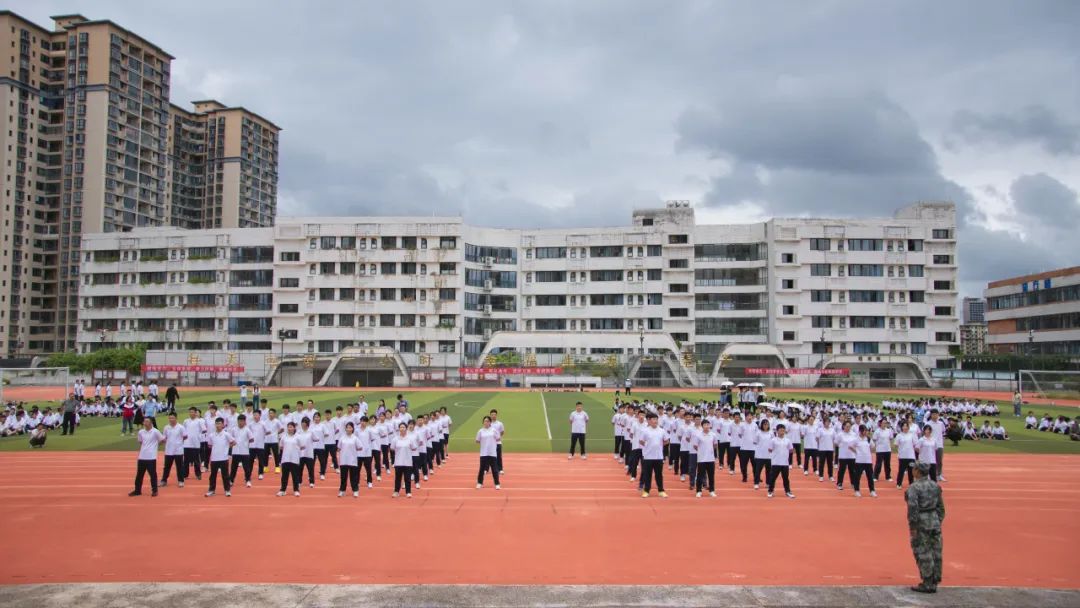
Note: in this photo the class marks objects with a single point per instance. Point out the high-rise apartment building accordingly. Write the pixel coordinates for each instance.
(86, 115)
(876, 296)
(974, 310)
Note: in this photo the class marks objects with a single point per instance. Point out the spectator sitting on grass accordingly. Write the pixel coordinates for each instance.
(1062, 425)
(38, 436)
(953, 432)
(1031, 422)
(1046, 424)
(1074, 430)
(998, 432)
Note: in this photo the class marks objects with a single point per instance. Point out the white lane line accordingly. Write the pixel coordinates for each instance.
(547, 422)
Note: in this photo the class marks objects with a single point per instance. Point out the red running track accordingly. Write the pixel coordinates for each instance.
(1011, 521)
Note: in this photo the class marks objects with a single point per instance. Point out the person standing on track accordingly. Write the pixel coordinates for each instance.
(926, 452)
(487, 437)
(174, 451)
(939, 439)
(705, 441)
(651, 439)
(579, 421)
(780, 450)
(171, 397)
(862, 463)
(925, 514)
(70, 406)
(882, 440)
(220, 441)
(194, 431)
(292, 446)
(349, 448)
(500, 428)
(149, 438)
(401, 445)
(905, 453)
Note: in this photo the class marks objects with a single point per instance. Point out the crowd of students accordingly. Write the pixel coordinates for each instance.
(302, 442)
(769, 442)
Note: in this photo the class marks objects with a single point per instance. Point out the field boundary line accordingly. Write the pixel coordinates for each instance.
(547, 423)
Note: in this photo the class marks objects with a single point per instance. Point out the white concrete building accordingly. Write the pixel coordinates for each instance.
(405, 297)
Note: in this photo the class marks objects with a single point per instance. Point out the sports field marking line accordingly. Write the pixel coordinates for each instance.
(547, 423)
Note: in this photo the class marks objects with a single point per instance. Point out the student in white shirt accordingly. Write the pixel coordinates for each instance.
(762, 458)
(307, 455)
(319, 432)
(447, 424)
(705, 442)
(926, 450)
(258, 443)
(488, 437)
(939, 436)
(780, 450)
(292, 446)
(862, 449)
(1031, 422)
(579, 421)
(348, 446)
(401, 445)
(274, 428)
(368, 447)
(500, 428)
(149, 438)
(331, 431)
(845, 443)
(826, 440)
(998, 432)
(905, 453)
(616, 428)
(651, 439)
(194, 431)
(810, 446)
(241, 452)
(882, 442)
(220, 441)
(175, 435)
(746, 433)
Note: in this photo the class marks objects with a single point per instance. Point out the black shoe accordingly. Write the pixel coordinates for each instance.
(154, 493)
(134, 493)
(923, 589)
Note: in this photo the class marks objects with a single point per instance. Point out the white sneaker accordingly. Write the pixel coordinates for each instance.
(356, 494)
(341, 494)
(806, 472)
(322, 477)
(394, 495)
(179, 484)
(755, 486)
(712, 494)
(281, 493)
(228, 493)
(311, 485)
(408, 496)
(369, 484)
(858, 494)
(425, 478)
(698, 494)
(730, 472)
(247, 483)
(942, 478)
(498, 487)
(873, 494)
(209, 494)
(821, 479)
(478, 486)
(584, 457)
(377, 478)
(770, 494)
(633, 479)
(296, 494)
(260, 476)
(790, 495)
(570, 457)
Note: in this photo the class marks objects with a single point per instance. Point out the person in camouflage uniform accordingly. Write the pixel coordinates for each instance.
(926, 512)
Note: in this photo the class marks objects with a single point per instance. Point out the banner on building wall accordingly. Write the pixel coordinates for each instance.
(213, 369)
(797, 371)
(507, 371)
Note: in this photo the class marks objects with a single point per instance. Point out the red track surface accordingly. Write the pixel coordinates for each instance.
(1011, 522)
(44, 393)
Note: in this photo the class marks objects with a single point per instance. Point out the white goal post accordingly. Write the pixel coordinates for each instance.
(34, 376)
(1049, 384)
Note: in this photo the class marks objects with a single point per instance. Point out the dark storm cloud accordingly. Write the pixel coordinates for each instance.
(1034, 124)
(1046, 202)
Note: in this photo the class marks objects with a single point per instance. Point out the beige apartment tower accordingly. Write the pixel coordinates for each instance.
(88, 147)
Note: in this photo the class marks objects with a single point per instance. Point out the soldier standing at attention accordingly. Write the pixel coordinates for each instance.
(926, 512)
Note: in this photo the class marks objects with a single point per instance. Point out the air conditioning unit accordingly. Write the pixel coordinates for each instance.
(487, 309)
(488, 260)
(489, 285)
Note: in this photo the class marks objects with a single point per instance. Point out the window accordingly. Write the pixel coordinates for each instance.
(653, 251)
(348, 242)
(288, 282)
(678, 312)
(864, 348)
(655, 299)
(606, 251)
(679, 288)
(678, 239)
(789, 336)
(918, 322)
(865, 270)
(345, 321)
(820, 270)
(608, 299)
(918, 348)
(820, 244)
(653, 274)
(290, 256)
(326, 293)
(944, 336)
(787, 258)
(546, 253)
(326, 320)
(446, 293)
(915, 245)
(550, 276)
(943, 285)
(821, 322)
(787, 309)
(863, 322)
(328, 242)
(864, 244)
(941, 233)
(917, 297)
(787, 284)
(288, 308)
(820, 295)
(866, 295)
(942, 259)
(678, 263)
(606, 275)
(943, 311)
(915, 270)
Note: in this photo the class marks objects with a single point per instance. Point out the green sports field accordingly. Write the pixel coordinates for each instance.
(528, 418)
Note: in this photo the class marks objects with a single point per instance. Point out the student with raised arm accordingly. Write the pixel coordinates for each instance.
(780, 450)
(292, 446)
(651, 440)
(149, 438)
(349, 448)
(174, 451)
(579, 421)
(487, 437)
(220, 441)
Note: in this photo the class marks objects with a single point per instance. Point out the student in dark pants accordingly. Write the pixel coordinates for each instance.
(501, 429)
(706, 459)
(402, 447)
(291, 447)
(487, 438)
(149, 438)
(579, 421)
(651, 440)
(174, 451)
(71, 404)
(762, 458)
(220, 441)
(780, 450)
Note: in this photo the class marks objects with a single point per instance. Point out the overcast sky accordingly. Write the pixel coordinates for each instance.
(566, 113)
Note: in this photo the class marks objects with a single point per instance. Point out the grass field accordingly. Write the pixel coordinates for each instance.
(526, 422)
